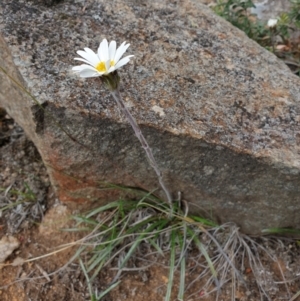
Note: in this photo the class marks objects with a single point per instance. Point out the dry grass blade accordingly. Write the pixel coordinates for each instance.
(295, 296)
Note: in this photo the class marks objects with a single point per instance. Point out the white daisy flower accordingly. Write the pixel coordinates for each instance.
(272, 23)
(106, 60)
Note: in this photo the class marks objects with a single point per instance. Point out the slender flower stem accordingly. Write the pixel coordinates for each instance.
(118, 98)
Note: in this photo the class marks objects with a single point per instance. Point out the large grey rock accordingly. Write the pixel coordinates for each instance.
(220, 113)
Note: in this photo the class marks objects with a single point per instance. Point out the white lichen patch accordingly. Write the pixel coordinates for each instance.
(158, 110)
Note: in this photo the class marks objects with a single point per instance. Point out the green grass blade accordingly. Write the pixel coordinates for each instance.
(203, 251)
(182, 279)
(280, 231)
(107, 290)
(136, 228)
(138, 241)
(203, 221)
(86, 220)
(98, 258)
(107, 207)
(101, 262)
(172, 265)
(156, 246)
(103, 254)
(86, 277)
(77, 253)
(182, 244)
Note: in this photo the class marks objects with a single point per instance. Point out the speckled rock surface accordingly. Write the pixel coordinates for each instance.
(220, 113)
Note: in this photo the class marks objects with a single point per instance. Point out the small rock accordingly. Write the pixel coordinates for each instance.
(7, 245)
(55, 218)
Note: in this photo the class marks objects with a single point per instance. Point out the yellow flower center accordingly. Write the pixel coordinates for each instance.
(101, 67)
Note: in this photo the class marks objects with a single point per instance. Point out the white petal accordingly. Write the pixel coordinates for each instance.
(85, 71)
(82, 60)
(88, 73)
(92, 54)
(75, 69)
(83, 67)
(120, 51)
(112, 49)
(123, 61)
(272, 22)
(107, 65)
(111, 69)
(91, 58)
(103, 51)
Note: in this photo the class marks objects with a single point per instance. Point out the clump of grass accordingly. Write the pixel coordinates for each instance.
(119, 232)
(120, 229)
(27, 195)
(294, 13)
(18, 204)
(237, 13)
